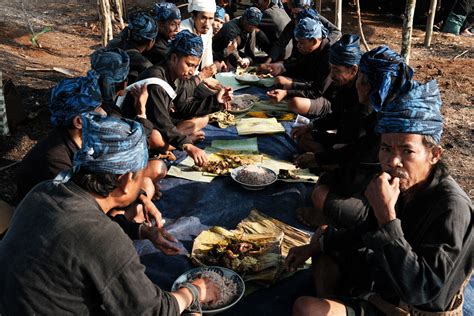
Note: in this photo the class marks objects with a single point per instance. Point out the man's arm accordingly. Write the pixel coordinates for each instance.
(418, 275)
(334, 33)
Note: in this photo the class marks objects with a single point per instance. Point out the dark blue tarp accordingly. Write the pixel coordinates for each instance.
(191, 207)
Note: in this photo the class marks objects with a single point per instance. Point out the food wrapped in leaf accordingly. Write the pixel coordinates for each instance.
(254, 256)
(222, 163)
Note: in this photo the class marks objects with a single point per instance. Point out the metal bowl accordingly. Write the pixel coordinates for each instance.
(253, 187)
(227, 273)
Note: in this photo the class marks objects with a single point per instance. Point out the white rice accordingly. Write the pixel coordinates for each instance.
(228, 290)
(254, 175)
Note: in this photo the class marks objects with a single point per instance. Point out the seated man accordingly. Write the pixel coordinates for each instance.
(142, 31)
(219, 20)
(338, 195)
(200, 23)
(178, 103)
(240, 32)
(340, 95)
(300, 9)
(274, 20)
(168, 19)
(63, 255)
(112, 65)
(414, 251)
(53, 154)
(308, 73)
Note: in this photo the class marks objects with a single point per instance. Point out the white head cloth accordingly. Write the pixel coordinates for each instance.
(202, 5)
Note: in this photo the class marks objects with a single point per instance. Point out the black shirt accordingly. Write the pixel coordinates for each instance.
(45, 160)
(424, 255)
(62, 255)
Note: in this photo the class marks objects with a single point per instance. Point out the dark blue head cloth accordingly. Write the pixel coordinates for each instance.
(278, 3)
(187, 44)
(308, 13)
(220, 13)
(141, 26)
(112, 65)
(346, 51)
(72, 97)
(166, 11)
(301, 3)
(416, 112)
(309, 28)
(111, 145)
(388, 74)
(253, 16)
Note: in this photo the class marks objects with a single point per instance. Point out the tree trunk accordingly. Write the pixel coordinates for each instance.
(407, 29)
(430, 22)
(320, 4)
(105, 20)
(361, 31)
(120, 10)
(338, 15)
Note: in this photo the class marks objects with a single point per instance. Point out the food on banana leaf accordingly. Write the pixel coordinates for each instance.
(253, 256)
(287, 174)
(222, 163)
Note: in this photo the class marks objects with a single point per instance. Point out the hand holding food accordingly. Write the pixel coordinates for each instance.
(277, 94)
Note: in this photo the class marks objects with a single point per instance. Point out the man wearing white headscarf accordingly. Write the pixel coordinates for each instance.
(200, 23)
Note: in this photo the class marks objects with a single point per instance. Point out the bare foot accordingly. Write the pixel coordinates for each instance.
(197, 136)
(158, 194)
(309, 217)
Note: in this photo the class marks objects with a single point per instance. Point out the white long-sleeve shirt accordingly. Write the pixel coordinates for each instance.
(206, 58)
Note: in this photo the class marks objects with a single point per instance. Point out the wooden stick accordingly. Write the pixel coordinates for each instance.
(338, 15)
(407, 29)
(361, 31)
(457, 56)
(430, 22)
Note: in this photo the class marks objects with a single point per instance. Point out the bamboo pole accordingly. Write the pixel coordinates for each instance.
(320, 4)
(361, 30)
(338, 15)
(407, 29)
(119, 6)
(430, 22)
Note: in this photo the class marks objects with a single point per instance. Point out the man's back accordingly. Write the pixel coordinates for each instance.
(45, 160)
(62, 254)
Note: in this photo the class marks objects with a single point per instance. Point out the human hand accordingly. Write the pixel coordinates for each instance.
(212, 84)
(208, 290)
(298, 131)
(197, 154)
(140, 94)
(244, 62)
(273, 68)
(224, 96)
(306, 160)
(268, 61)
(297, 256)
(277, 94)
(382, 193)
(151, 212)
(231, 47)
(208, 71)
(284, 82)
(161, 239)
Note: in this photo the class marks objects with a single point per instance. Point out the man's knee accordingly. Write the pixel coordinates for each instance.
(319, 196)
(299, 105)
(307, 305)
(156, 170)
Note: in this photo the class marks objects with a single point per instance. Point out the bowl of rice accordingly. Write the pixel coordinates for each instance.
(231, 285)
(247, 78)
(253, 177)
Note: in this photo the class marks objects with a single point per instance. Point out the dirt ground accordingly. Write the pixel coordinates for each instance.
(75, 35)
